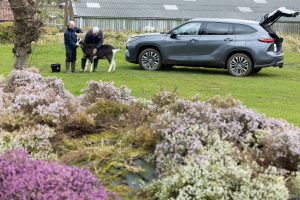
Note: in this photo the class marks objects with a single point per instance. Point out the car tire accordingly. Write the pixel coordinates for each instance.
(239, 65)
(256, 70)
(150, 60)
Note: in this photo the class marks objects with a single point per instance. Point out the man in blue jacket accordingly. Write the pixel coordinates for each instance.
(93, 37)
(70, 40)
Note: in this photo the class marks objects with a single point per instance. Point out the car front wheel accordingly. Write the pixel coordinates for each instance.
(150, 59)
(240, 65)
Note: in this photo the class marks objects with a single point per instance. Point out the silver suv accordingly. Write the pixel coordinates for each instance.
(241, 46)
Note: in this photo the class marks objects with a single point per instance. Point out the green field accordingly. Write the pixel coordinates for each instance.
(274, 91)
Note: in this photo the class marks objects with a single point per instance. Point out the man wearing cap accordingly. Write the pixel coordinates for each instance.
(93, 37)
(70, 41)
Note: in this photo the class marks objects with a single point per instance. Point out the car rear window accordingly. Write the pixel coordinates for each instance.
(217, 28)
(241, 29)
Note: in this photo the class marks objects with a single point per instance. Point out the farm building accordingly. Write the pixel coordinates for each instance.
(165, 14)
(5, 11)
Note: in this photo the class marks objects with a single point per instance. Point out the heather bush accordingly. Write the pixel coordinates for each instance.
(34, 140)
(276, 140)
(281, 149)
(215, 181)
(105, 91)
(28, 98)
(99, 116)
(22, 178)
(107, 113)
(294, 185)
(219, 175)
(214, 149)
(80, 123)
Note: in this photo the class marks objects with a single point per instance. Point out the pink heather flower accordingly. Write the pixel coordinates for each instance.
(23, 178)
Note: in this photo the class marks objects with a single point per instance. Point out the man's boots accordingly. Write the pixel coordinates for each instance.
(95, 65)
(68, 67)
(83, 62)
(73, 65)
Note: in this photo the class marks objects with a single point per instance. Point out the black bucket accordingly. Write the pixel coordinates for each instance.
(55, 68)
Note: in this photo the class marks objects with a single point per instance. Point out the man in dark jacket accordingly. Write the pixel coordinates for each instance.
(70, 40)
(93, 37)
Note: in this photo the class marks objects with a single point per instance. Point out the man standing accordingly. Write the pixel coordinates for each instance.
(95, 38)
(70, 40)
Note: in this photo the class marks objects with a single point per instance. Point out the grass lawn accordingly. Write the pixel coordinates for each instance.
(274, 91)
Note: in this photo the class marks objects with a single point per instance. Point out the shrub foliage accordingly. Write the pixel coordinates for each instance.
(7, 34)
(22, 178)
(214, 149)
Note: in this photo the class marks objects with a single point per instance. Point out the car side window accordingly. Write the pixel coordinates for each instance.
(241, 29)
(189, 29)
(217, 28)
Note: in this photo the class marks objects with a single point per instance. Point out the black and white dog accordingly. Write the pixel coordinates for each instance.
(106, 51)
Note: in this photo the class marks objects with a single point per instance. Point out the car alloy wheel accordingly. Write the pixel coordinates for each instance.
(150, 59)
(239, 65)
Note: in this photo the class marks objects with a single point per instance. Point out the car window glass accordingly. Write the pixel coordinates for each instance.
(216, 28)
(241, 29)
(189, 29)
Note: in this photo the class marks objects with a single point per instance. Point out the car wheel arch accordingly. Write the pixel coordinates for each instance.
(248, 53)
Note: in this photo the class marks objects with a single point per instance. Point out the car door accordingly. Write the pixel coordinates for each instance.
(178, 49)
(217, 38)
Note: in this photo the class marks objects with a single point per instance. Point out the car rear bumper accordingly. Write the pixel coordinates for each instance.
(274, 60)
(279, 64)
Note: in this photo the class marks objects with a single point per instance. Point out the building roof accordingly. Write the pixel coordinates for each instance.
(5, 11)
(242, 21)
(182, 9)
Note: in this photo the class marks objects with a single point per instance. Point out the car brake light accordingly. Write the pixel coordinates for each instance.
(267, 40)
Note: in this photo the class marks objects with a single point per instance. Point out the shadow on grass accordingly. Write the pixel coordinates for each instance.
(209, 71)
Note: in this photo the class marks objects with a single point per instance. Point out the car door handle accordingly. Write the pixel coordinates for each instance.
(228, 39)
(194, 40)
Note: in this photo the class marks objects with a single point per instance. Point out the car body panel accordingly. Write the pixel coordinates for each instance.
(208, 50)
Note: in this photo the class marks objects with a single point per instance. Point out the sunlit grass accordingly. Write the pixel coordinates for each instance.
(274, 91)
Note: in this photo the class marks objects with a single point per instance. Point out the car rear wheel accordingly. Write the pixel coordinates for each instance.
(150, 59)
(240, 65)
(256, 70)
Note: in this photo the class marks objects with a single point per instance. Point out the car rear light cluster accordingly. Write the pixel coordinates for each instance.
(267, 40)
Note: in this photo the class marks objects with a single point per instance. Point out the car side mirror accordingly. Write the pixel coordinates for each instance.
(174, 34)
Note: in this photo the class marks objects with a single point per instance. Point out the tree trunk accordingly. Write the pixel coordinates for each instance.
(28, 27)
(21, 55)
